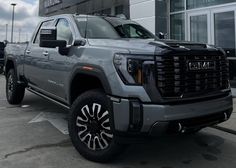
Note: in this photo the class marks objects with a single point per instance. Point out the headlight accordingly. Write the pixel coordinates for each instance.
(130, 67)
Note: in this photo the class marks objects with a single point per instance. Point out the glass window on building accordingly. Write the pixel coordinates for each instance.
(177, 26)
(198, 28)
(225, 31)
(191, 4)
(177, 5)
(106, 11)
(119, 10)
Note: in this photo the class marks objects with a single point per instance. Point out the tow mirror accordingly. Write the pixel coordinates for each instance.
(80, 42)
(48, 39)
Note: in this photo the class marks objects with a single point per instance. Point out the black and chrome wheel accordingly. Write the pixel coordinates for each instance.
(14, 91)
(90, 127)
(93, 127)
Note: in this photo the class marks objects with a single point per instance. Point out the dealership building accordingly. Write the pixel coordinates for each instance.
(207, 21)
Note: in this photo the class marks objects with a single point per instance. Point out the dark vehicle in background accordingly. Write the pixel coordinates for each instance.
(2, 46)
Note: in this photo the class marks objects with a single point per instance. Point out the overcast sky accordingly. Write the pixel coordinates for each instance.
(26, 18)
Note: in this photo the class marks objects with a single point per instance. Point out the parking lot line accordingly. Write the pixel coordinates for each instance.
(58, 120)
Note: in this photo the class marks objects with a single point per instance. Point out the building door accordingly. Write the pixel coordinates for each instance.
(199, 27)
(223, 23)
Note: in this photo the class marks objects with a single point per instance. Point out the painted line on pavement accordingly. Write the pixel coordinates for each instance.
(230, 131)
(58, 120)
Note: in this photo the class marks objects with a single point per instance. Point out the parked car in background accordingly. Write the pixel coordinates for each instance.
(2, 46)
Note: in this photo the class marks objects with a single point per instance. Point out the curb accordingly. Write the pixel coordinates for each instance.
(225, 129)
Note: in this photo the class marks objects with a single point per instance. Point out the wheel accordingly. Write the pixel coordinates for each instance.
(14, 91)
(90, 127)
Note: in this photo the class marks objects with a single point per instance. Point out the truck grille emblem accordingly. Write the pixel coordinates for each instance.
(201, 65)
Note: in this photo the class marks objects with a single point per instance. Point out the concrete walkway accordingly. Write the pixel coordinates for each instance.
(230, 125)
(234, 92)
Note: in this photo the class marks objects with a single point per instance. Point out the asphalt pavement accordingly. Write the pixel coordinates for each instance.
(34, 135)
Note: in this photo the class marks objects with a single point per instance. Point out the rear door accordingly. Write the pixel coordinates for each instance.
(37, 61)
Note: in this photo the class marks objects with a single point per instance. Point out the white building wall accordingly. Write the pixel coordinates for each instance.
(143, 12)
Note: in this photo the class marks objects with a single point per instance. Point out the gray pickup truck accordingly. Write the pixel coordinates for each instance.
(120, 83)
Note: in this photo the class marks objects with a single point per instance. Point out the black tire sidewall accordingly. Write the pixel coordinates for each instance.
(89, 97)
(18, 90)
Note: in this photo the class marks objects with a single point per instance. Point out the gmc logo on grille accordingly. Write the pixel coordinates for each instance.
(201, 65)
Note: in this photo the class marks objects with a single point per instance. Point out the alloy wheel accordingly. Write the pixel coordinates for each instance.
(93, 125)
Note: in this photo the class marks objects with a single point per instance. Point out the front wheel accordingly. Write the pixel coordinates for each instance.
(14, 91)
(90, 127)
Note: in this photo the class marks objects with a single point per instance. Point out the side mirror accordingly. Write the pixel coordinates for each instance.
(48, 39)
(80, 42)
(161, 35)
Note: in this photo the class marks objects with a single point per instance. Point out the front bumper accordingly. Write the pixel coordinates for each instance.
(131, 116)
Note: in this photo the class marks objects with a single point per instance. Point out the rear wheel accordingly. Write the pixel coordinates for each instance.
(90, 127)
(14, 91)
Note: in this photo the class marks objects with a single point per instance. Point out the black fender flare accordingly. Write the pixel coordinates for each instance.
(93, 71)
(14, 63)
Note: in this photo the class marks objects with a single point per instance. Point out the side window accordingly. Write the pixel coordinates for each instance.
(82, 25)
(44, 24)
(64, 32)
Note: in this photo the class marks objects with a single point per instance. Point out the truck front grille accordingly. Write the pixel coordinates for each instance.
(174, 79)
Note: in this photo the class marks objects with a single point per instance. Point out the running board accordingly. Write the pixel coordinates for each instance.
(48, 98)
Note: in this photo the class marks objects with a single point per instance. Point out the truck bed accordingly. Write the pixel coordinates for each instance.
(16, 50)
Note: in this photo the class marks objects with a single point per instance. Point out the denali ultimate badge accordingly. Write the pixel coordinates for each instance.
(201, 65)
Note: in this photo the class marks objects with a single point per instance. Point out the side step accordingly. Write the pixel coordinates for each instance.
(48, 98)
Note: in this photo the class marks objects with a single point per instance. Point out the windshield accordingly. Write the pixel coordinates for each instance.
(133, 31)
(111, 28)
(97, 28)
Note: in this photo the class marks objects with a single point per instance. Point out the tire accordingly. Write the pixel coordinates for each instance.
(14, 91)
(90, 129)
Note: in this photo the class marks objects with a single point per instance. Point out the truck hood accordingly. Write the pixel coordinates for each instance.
(140, 46)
